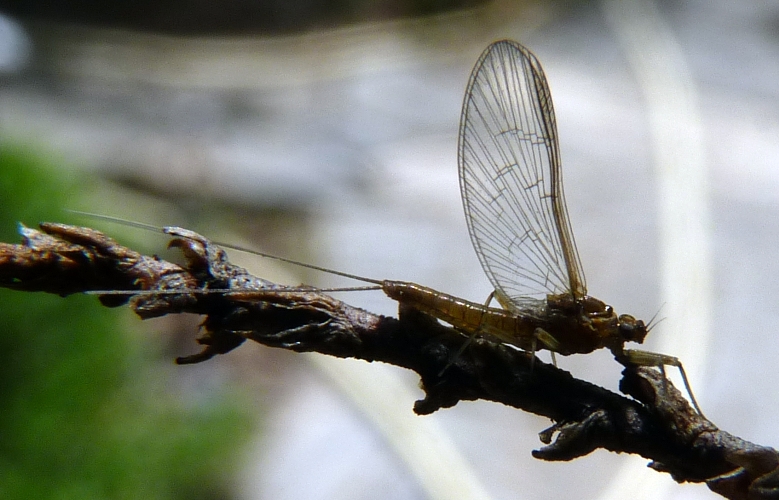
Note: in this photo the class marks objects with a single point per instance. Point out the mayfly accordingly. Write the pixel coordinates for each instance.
(512, 191)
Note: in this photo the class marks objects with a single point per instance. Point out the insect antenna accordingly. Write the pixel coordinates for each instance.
(652, 323)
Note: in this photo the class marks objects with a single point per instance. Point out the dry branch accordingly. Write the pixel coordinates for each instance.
(658, 424)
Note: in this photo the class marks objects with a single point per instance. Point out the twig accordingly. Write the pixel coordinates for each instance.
(658, 424)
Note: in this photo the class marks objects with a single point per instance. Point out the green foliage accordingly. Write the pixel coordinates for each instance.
(84, 413)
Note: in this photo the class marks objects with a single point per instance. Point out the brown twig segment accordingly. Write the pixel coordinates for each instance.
(658, 424)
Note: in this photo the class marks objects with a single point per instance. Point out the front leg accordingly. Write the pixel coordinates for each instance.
(647, 358)
(548, 340)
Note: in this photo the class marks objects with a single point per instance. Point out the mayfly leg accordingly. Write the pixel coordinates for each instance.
(538, 335)
(647, 358)
(468, 341)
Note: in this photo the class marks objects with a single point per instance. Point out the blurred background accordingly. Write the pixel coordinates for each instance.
(327, 132)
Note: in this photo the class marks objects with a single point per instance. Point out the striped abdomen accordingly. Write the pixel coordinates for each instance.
(470, 317)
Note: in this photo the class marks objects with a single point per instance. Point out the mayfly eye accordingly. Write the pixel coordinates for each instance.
(631, 329)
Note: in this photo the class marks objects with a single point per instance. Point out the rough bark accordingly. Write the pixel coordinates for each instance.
(656, 422)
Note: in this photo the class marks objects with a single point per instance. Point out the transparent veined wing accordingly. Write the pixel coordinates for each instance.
(510, 179)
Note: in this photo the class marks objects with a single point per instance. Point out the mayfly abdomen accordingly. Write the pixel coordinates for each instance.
(470, 317)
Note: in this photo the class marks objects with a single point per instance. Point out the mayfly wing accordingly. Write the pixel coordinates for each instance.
(510, 179)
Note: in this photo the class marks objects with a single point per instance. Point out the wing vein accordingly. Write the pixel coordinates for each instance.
(511, 182)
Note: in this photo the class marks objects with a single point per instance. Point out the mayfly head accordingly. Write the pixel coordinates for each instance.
(632, 329)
